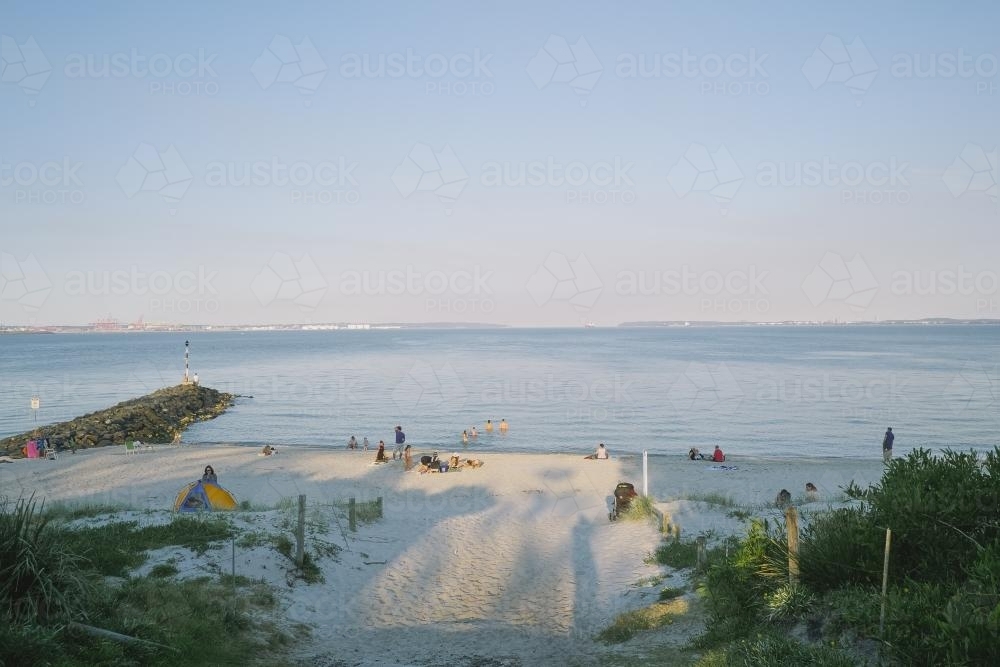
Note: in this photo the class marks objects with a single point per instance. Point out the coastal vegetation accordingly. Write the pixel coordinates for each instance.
(942, 584)
(58, 583)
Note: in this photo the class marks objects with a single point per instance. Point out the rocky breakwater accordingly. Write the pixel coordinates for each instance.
(158, 418)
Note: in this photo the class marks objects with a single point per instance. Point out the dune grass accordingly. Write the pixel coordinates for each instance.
(631, 623)
(52, 576)
(116, 548)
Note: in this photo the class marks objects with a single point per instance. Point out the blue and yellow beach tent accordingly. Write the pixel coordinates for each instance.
(204, 497)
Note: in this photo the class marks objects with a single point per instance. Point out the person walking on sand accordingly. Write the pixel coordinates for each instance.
(887, 445)
(400, 440)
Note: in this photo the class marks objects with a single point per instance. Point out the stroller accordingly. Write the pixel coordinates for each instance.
(624, 493)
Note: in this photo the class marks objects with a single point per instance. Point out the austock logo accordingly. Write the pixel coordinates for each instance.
(833, 279)
(24, 65)
(149, 170)
(559, 62)
(297, 64)
(558, 279)
(285, 279)
(700, 170)
(835, 62)
(23, 281)
(424, 170)
(974, 170)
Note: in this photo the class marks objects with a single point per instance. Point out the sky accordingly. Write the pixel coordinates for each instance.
(530, 164)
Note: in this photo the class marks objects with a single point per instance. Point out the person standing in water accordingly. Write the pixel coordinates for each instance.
(489, 425)
(503, 426)
(474, 433)
(887, 445)
(465, 437)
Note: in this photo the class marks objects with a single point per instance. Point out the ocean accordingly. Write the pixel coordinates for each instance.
(781, 391)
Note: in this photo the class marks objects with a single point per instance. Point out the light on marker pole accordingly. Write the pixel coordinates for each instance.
(645, 472)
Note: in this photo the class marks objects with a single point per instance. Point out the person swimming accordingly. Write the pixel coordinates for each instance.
(489, 426)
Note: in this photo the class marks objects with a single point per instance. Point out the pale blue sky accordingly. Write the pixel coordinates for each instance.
(915, 228)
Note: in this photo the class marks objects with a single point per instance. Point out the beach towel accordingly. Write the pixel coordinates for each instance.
(721, 468)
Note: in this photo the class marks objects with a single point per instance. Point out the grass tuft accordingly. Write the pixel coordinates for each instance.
(631, 623)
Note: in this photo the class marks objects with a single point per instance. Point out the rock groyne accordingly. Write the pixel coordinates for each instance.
(158, 417)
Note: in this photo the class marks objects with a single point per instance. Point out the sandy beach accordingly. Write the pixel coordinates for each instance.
(515, 561)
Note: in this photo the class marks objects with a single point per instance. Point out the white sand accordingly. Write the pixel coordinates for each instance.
(515, 560)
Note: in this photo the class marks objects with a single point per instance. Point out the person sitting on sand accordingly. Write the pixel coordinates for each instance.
(268, 450)
(783, 498)
(601, 453)
(811, 491)
(695, 455)
(718, 456)
(380, 454)
(352, 443)
(210, 477)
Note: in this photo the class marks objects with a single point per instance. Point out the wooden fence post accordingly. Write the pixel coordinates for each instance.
(885, 580)
(792, 528)
(352, 516)
(300, 533)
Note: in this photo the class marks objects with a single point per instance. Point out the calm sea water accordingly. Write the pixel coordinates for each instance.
(782, 391)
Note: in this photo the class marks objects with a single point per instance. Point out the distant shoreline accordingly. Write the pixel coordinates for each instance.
(327, 328)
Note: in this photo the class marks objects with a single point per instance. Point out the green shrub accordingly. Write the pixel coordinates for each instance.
(738, 587)
(841, 548)
(941, 509)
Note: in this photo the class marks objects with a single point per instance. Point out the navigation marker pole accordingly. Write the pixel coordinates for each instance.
(187, 362)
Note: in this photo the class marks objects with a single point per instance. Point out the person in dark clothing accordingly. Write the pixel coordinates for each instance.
(400, 441)
(380, 455)
(210, 477)
(887, 445)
